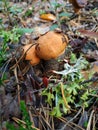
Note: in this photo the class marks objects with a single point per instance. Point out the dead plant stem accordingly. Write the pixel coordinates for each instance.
(90, 120)
(18, 87)
(65, 102)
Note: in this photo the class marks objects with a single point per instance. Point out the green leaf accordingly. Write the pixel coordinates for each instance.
(24, 111)
(14, 10)
(84, 97)
(55, 5)
(50, 96)
(66, 14)
(72, 89)
(56, 112)
(64, 109)
(10, 126)
(96, 13)
(69, 98)
(73, 58)
(54, 26)
(21, 31)
(4, 77)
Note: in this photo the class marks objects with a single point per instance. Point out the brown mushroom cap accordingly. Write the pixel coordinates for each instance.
(31, 54)
(51, 45)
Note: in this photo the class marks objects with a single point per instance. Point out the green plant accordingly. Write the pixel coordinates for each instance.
(11, 36)
(15, 10)
(25, 115)
(2, 78)
(1, 23)
(3, 53)
(5, 5)
(29, 12)
(6, 36)
(42, 12)
(70, 93)
(5, 9)
(55, 5)
(59, 15)
(25, 126)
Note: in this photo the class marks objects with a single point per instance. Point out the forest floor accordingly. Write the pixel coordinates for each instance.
(53, 92)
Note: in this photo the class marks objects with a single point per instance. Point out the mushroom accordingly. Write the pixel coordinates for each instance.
(51, 45)
(29, 49)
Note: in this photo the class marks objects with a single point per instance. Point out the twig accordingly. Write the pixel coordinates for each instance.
(18, 87)
(52, 123)
(72, 119)
(90, 120)
(70, 123)
(93, 122)
(46, 122)
(4, 66)
(23, 123)
(65, 102)
(30, 115)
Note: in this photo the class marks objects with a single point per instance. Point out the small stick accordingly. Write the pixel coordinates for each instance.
(65, 102)
(18, 87)
(90, 120)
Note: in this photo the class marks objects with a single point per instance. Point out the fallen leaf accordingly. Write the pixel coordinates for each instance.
(92, 55)
(41, 30)
(78, 4)
(49, 17)
(91, 75)
(38, 31)
(89, 33)
(94, 69)
(78, 43)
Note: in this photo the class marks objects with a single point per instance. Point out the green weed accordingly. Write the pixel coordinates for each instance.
(25, 118)
(70, 93)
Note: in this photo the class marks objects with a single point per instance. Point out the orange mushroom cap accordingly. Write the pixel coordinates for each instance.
(51, 45)
(29, 49)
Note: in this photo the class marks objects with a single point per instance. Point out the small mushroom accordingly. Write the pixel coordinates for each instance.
(51, 45)
(29, 49)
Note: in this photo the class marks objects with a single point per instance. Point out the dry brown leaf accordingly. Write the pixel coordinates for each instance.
(74, 23)
(89, 33)
(95, 67)
(40, 30)
(93, 70)
(78, 4)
